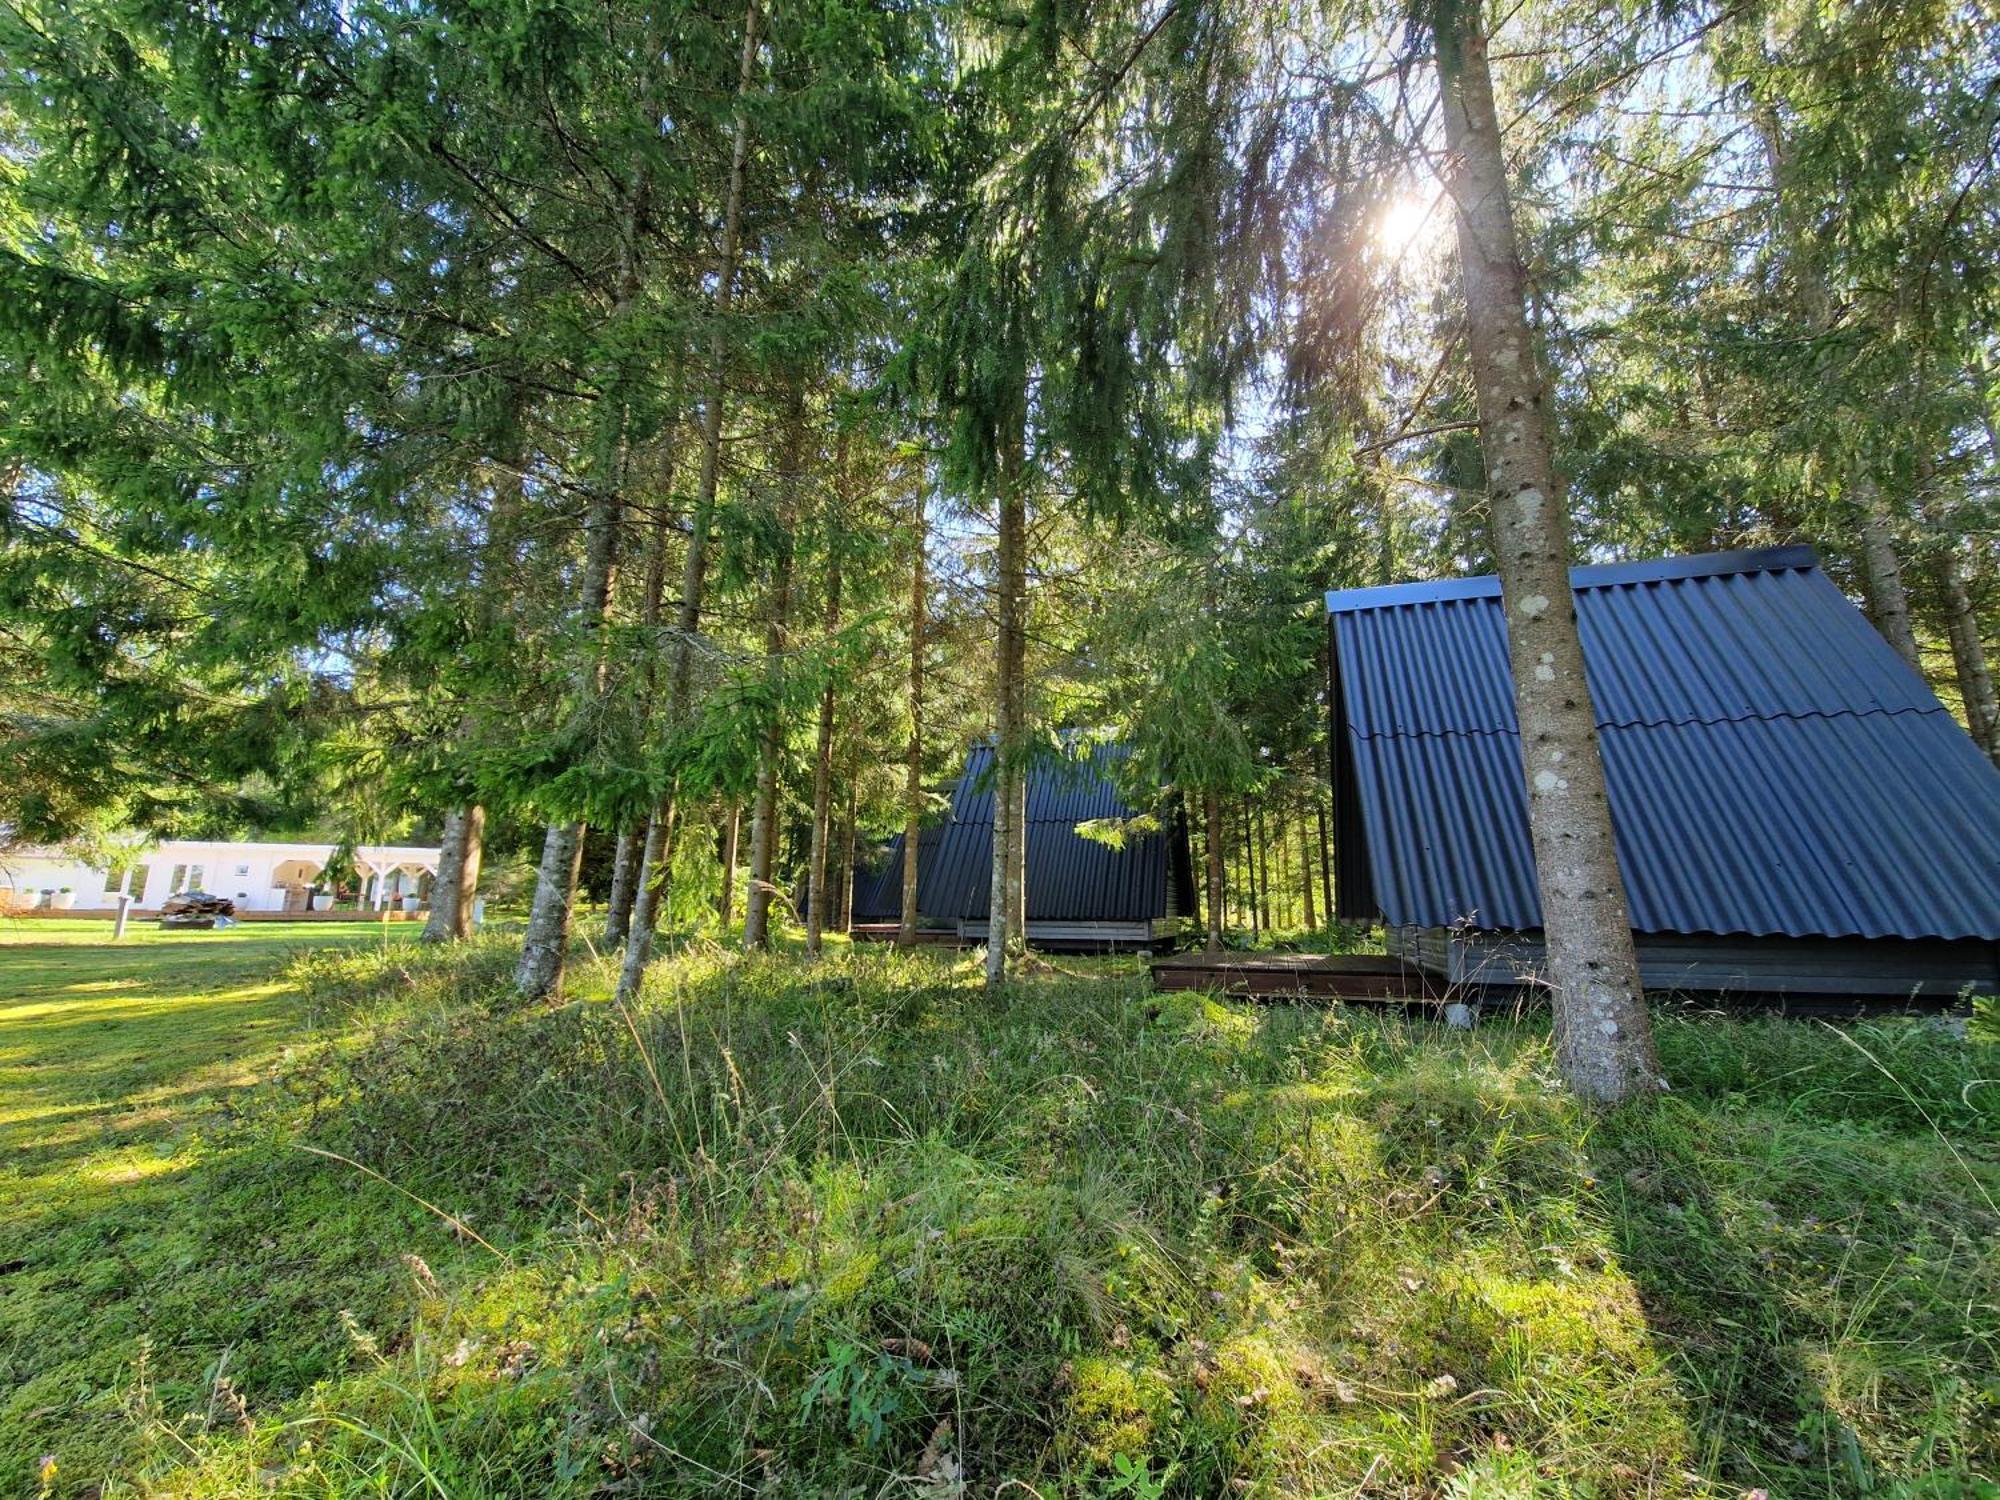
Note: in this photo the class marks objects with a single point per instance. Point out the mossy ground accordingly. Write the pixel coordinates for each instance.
(856, 1228)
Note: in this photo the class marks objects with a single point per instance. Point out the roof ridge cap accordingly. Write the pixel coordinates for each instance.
(1690, 721)
(1588, 576)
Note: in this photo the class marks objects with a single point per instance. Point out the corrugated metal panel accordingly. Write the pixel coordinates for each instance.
(1774, 768)
(1068, 877)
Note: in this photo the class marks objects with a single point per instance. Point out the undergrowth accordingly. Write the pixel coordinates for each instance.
(858, 1229)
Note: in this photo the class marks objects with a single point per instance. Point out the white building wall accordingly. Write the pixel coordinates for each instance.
(28, 876)
(245, 872)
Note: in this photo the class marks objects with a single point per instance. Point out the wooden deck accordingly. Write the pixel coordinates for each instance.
(885, 932)
(1391, 981)
(1336, 976)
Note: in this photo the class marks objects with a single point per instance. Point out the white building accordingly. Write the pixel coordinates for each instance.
(258, 877)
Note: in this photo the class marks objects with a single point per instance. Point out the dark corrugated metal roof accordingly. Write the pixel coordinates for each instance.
(1069, 878)
(1774, 767)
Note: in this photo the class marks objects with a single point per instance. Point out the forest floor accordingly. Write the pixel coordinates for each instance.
(323, 1214)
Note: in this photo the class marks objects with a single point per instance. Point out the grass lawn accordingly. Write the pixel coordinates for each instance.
(858, 1229)
(109, 1050)
(120, 1220)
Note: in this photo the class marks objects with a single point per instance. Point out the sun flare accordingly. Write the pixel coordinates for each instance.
(1411, 224)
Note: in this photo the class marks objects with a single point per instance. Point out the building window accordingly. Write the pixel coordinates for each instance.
(177, 882)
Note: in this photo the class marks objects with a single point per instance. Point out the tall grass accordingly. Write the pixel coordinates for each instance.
(859, 1228)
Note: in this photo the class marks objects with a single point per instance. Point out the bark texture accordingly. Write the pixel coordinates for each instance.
(1968, 655)
(1009, 659)
(457, 875)
(468, 869)
(1604, 1037)
(539, 974)
(624, 867)
(1882, 573)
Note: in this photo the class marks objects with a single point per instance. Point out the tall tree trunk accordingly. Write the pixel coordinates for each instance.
(687, 619)
(843, 878)
(822, 809)
(450, 919)
(1882, 573)
(628, 869)
(1322, 767)
(1604, 1040)
(1211, 837)
(1017, 867)
(624, 867)
(468, 871)
(777, 626)
(1306, 877)
(441, 926)
(732, 823)
(1263, 869)
(1010, 588)
(913, 768)
(1968, 654)
(1881, 567)
(1250, 874)
(545, 946)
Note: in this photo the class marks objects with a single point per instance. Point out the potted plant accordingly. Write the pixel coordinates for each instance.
(63, 899)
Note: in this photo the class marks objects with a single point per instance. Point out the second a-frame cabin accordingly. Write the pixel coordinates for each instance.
(1082, 894)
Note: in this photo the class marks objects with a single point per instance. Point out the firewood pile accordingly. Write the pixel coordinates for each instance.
(197, 909)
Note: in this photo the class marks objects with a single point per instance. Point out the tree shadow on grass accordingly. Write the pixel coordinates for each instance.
(1816, 1275)
(119, 1071)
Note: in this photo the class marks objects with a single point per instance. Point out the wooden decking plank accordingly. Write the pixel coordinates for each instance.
(1334, 976)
